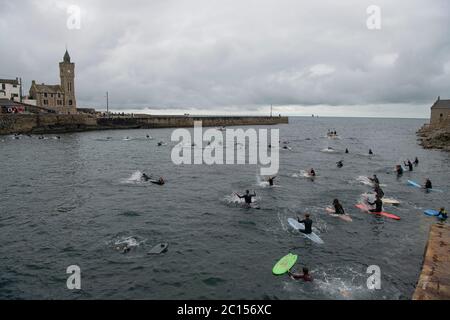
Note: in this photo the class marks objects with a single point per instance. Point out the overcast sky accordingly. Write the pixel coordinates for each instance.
(210, 56)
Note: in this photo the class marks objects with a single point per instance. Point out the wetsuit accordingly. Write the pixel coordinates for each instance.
(312, 173)
(375, 180)
(308, 225)
(428, 185)
(338, 209)
(410, 166)
(378, 206)
(400, 171)
(443, 215)
(416, 162)
(247, 198)
(271, 181)
(379, 192)
(304, 277)
(340, 164)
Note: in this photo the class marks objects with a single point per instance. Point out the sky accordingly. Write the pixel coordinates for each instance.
(236, 56)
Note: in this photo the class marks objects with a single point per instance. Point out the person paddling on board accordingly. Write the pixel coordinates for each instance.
(409, 165)
(416, 161)
(298, 276)
(346, 150)
(312, 173)
(378, 204)
(338, 209)
(340, 164)
(271, 180)
(399, 170)
(160, 181)
(370, 151)
(378, 191)
(307, 222)
(375, 179)
(428, 184)
(442, 215)
(145, 177)
(247, 197)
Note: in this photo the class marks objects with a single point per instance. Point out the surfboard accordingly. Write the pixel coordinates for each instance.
(284, 264)
(431, 213)
(390, 201)
(300, 226)
(415, 184)
(160, 248)
(366, 208)
(332, 213)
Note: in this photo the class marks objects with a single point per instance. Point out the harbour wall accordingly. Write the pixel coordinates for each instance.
(434, 280)
(55, 123)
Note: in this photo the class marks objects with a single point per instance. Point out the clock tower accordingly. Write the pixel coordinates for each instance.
(67, 75)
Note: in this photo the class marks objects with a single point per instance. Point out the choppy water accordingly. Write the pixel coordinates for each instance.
(75, 200)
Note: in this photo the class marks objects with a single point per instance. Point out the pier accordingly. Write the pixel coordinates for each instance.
(59, 123)
(434, 280)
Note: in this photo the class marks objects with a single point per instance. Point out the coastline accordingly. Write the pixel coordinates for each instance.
(435, 136)
(58, 123)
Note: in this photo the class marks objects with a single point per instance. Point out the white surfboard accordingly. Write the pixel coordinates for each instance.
(300, 226)
(332, 213)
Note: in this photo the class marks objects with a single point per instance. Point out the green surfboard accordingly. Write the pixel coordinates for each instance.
(285, 264)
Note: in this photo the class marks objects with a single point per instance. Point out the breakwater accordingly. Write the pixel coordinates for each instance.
(434, 281)
(52, 123)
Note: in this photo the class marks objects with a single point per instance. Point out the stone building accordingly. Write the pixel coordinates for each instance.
(10, 89)
(440, 112)
(60, 97)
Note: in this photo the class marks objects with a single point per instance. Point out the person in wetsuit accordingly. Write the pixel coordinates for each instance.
(338, 207)
(340, 164)
(409, 165)
(378, 191)
(307, 222)
(346, 150)
(399, 170)
(375, 179)
(312, 173)
(370, 151)
(247, 197)
(442, 214)
(378, 205)
(160, 181)
(271, 180)
(298, 276)
(145, 177)
(428, 184)
(416, 161)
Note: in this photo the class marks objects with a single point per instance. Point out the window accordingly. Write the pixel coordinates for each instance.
(45, 94)
(59, 102)
(51, 95)
(3, 86)
(59, 95)
(70, 102)
(14, 85)
(46, 102)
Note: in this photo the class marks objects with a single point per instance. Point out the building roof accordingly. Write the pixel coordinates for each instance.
(48, 88)
(10, 81)
(66, 57)
(441, 104)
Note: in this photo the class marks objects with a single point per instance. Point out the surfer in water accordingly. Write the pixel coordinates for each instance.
(338, 209)
(346, 150)
(160, 181)
(270, 180)
(378, 191)
(307, 222)
(442, 214)
(416, 161)
(428, 184)
(247, 197)
(399, 170)
(409, 165)
(378, 204)
(374, 179)
(145, 177)
(370, 151)
(340, 164)
(312, 173)
(298, 276)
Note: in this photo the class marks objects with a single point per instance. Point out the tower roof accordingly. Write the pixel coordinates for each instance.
(66, 57)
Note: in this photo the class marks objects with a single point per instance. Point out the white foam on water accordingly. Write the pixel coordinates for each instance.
(136, 177)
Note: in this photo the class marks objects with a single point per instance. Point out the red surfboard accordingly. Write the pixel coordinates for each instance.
(365, 208)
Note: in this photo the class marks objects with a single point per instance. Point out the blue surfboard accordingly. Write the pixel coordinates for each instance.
(415, 184)
(431, 213)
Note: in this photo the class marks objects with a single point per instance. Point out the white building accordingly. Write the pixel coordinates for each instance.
(10, 89)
